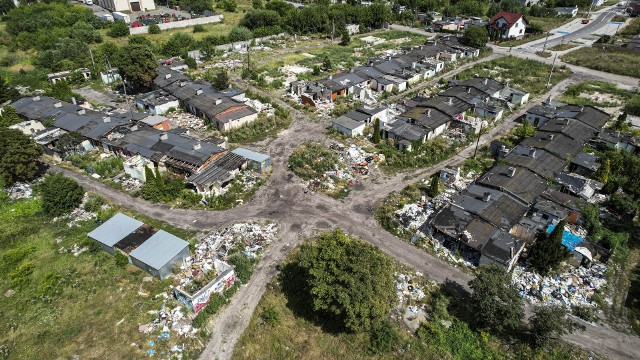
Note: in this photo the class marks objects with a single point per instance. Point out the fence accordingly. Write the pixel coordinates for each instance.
(178, 24)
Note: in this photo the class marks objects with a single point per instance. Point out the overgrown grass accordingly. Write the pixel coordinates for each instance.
(547, 24)
(612, 59)
(422, 155)
(263, 127)
(525, 74)
(562, 47)
(69, 305)
(575, 95)
(633, 28)
(544, 54)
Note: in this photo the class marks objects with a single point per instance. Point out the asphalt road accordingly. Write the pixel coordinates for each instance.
(585, 30)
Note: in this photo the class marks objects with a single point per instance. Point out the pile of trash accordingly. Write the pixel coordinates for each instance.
(443, 252)
(186, 120)
(408, 288)
(412, 216)
(20, 191)
(131, 184)
(79, 214)
(167, 321)
(251, 237)
(573, 288)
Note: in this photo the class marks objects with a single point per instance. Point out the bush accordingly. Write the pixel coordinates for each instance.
(243, 267)
(121, 259)
(155, 29)
(20, 276)
(199, 28)
(118, 29)
(94, 204)
(270, 315)
(384, 337)
(312, 160)
(60, 194)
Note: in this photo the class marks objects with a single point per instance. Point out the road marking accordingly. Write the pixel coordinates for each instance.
(615, 23)
(563, 32)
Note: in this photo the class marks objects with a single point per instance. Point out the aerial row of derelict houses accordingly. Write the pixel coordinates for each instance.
(145, 138)
(539, 182)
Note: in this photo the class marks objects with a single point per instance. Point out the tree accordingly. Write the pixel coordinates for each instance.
(547, 251)
(316, 70)
(191, 62)
(228, 5)
(476, 36)
(240, 33)
(434, 186)
(350, 281)
(494, 301)
(7, 92)
(524, 130)
(60, 90)
(158, 179)
(178, 44)
(326, 63)
(346, 39)
(6, 5)
(60, 194)
(9, 116)
(154, 29)
(148, 175)
(221, 81)
(18, 156)
(375, 138)
(257, 4)
(118, 29)
(548, 323)
(604, 171)
(136, 63)
(623, 205)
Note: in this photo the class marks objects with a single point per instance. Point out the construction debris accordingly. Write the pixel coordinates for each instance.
(187, 121)
(20, 191)
(573, 288)
(413, 216)
(408, 288)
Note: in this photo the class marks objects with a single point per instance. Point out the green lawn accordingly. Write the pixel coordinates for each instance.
(524, 74)
(67, 305)
(549, 23)
(612, 59)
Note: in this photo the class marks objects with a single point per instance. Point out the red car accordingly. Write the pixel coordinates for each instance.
(585, 21)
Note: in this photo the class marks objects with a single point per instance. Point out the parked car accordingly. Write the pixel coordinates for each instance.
(585, 21)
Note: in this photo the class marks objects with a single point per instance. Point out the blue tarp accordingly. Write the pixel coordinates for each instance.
(569, 239)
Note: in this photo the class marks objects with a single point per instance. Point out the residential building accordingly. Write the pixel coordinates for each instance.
(618, 140)
(256, 161)
(508, 25)
(349, 127)
(585, 164)
(126, 5)
(211, 179)
(157, 102)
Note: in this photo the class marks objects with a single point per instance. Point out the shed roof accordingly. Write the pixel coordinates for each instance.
(348, 123)
(115, 229)
(251, 155)
(159, 249)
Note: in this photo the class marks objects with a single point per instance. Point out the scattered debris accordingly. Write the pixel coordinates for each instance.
(9, 293)
(408, 288)
(573, 288)
(20, 191)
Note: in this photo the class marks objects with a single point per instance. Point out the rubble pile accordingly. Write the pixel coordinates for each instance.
(412, 216)
(200, 265)
(408, 288)
(131, 184)
(187, 121)
(79, 214)
(20, 191)
(443, 252)
(574, 288)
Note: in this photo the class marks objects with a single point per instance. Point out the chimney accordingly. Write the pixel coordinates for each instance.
(81, 112)
(450, 101)
(106, 119)
(330, 77)
(36, 98)
(532, 152)
(164, 136)
(134, 128)
(351, 71)
(428, 112)
(413, 65)
(199, 92)
(511, 251)
(503, 147)
(168, 76)
(469, 90)
(218, 101)
(58, 104)
(581, 108)
(512, 171)
(551, 137)
(196, 146)
(73, 100)
(183, 83)
(486, 81)
(486, 197)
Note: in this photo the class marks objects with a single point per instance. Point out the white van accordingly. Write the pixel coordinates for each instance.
(88, 2)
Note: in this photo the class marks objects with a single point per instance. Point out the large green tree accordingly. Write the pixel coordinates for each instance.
(60, 194)
(547, 251)
(549, 323)
(178, 44)
(350, 281)
(494, 301)
(375, 138)
(136, 63)
(7, 92)
(18, 156)
(221, 81)
(118, 29)
(476, 36)
(9, 116)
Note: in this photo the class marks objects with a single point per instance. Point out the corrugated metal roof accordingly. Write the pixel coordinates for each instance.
(159, 249)
(115, 229)
(251, 155)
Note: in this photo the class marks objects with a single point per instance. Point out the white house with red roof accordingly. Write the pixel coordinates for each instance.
(508, 25)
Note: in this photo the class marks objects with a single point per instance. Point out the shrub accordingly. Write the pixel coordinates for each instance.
(270, 315)
(60, 194)
(155, 29)
(121, 259)
(20, 275)
(118, 29)
(384, 337)
(199, 28)
(94, 204)
(243, 267)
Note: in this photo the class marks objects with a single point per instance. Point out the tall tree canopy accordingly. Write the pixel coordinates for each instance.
(137, 65)
(548, 252)
(18, 156)
(350, 282)
(60, 194)
(494, 301)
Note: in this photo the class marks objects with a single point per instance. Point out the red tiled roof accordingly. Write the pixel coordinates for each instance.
(511, 18)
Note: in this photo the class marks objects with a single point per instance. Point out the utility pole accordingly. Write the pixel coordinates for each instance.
(551, 71)
(478, 142)
(92, 62)
(545, 41)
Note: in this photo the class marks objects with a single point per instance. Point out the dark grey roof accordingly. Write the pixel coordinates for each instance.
(576, 183)
(563, 199)
(370, 111)
(429, 118)
(504, 212)
(501, 245)
(487, 85)
(161, 81)
(357, 116)
(156, 97)
(348, 123)
(184, 90)
(587, 160)
(348, 78)
(550, 207)
(219, 171)
(589, 115)
(572, 128)
(614, 137)
(538, 161)
(523, 186)
(407, 131)
(224, 112)
(447, 104)
(557, 144)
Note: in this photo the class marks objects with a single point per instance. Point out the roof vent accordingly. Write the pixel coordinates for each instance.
(551, 137)
(197, 146)
(428, 112)
(199, 92)
(183, 83)
(486, 81)
(81, 112)
(532, 152)
(164, 136)
(106, 119)
(450, 101)
(168, 76)
(486, 197)
(581, 108)
(134, 128)
(218, 101)
(512, 172)
(469, 90)
(330, 77)
(58, 104)
(36, 98)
